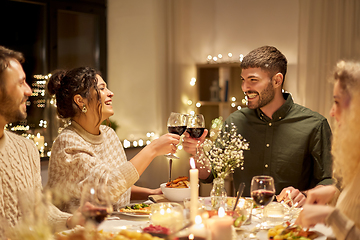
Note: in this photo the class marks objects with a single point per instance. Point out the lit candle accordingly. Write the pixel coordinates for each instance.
(220, 226)
(194, 192)
(196, 231)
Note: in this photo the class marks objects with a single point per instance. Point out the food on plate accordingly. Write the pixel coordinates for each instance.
(83, 234)
(239, 220)
(280, 232)
(157, 230)
(180, 182)
(140, 208)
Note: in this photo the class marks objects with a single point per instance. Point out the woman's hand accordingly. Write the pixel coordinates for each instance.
(321, 195)
(312, 215)
(165, 144)
(190, 144)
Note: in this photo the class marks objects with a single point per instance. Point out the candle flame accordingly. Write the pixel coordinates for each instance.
(192, 163)
(198, 219)
(221, 212)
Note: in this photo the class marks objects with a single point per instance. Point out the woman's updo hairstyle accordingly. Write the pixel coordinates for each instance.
(66, 84)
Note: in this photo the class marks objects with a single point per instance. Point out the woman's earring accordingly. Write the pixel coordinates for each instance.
(84, 109)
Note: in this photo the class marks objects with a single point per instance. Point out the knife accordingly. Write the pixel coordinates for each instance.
(240, 191)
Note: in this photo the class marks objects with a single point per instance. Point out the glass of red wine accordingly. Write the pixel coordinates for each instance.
(95, 203)
(177, 124)
(195, 125)
(262, 192)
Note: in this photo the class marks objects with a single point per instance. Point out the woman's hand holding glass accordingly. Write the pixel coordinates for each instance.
(165, 144)
(177, 124)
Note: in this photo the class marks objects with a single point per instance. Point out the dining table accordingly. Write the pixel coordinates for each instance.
(118, 222)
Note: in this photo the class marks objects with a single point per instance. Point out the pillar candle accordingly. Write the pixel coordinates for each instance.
(220, 226)
(194, 191)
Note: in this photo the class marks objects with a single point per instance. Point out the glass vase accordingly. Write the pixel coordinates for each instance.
(218, 194)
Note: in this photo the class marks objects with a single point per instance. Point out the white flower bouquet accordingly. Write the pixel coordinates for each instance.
(224, 149)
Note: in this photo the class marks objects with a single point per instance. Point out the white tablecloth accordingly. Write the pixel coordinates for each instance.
(115, 224)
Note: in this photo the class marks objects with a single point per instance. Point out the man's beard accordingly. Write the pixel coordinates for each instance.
(265, 97)
(9, 110)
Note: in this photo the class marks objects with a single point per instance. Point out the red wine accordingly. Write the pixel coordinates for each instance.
(179, 130)
(195, 132)
(262, 197)
(97, 216)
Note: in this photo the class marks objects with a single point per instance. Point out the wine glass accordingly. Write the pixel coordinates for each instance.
(95, 203)
(176, 124)
(196, 125)
(262, 191)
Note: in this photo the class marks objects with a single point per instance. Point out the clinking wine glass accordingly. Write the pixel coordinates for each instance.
(95, 203)
(196, 125)
(177, 124)
(262, 191)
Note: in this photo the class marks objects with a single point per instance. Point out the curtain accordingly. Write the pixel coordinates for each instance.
(329, 31)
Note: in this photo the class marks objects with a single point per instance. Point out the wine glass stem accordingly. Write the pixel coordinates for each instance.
(170, 168)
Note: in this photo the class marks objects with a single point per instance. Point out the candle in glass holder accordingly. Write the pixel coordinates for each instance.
(220, 225)
(195, 232)
(194, 194)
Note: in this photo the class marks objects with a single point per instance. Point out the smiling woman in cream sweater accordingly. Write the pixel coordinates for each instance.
(86, 150)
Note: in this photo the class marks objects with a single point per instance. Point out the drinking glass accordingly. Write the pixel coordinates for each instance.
(196, 125)
(95, 203)
(169, 215)
(262, 191)
(176, 124)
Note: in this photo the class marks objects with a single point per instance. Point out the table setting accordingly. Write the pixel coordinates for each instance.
(180, 214)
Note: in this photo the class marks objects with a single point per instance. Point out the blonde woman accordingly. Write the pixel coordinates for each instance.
(344, 218)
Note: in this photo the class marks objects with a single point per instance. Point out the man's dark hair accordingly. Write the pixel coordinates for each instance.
(5, 56)
(267, 58)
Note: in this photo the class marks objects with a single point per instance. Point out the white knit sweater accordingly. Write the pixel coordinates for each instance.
(78, 157)
(345, 219)
(20, 175)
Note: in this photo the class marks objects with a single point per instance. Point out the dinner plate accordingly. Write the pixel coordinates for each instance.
(132, 214)
(141, 215)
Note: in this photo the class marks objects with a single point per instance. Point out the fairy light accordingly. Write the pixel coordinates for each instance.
(198, 104)
(233, 99)
(192, 81)
(189, 102)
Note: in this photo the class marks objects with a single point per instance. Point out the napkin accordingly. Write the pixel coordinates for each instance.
(158, 198)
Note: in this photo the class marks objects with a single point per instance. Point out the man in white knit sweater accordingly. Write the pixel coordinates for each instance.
(19, 158)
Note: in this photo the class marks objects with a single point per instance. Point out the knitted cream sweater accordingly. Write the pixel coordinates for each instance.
(78, 157)
(20, 175)
(345, 219)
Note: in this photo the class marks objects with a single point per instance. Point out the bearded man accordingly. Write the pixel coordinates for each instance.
(20, 179)
(289, 142)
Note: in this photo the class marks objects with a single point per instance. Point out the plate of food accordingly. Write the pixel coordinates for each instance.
(135, 210)
(287, 231)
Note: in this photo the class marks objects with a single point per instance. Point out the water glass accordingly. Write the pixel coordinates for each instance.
(274, 214)
(169, 215)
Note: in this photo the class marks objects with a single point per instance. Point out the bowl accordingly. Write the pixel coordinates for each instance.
(175, 194)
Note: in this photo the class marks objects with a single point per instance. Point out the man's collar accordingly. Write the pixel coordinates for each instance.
(281, 112)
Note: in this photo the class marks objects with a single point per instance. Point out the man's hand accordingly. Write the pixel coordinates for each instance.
(190, 144)
(291, 196)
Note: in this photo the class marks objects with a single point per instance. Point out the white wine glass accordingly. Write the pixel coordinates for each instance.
(196, 125)
(262, 191)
